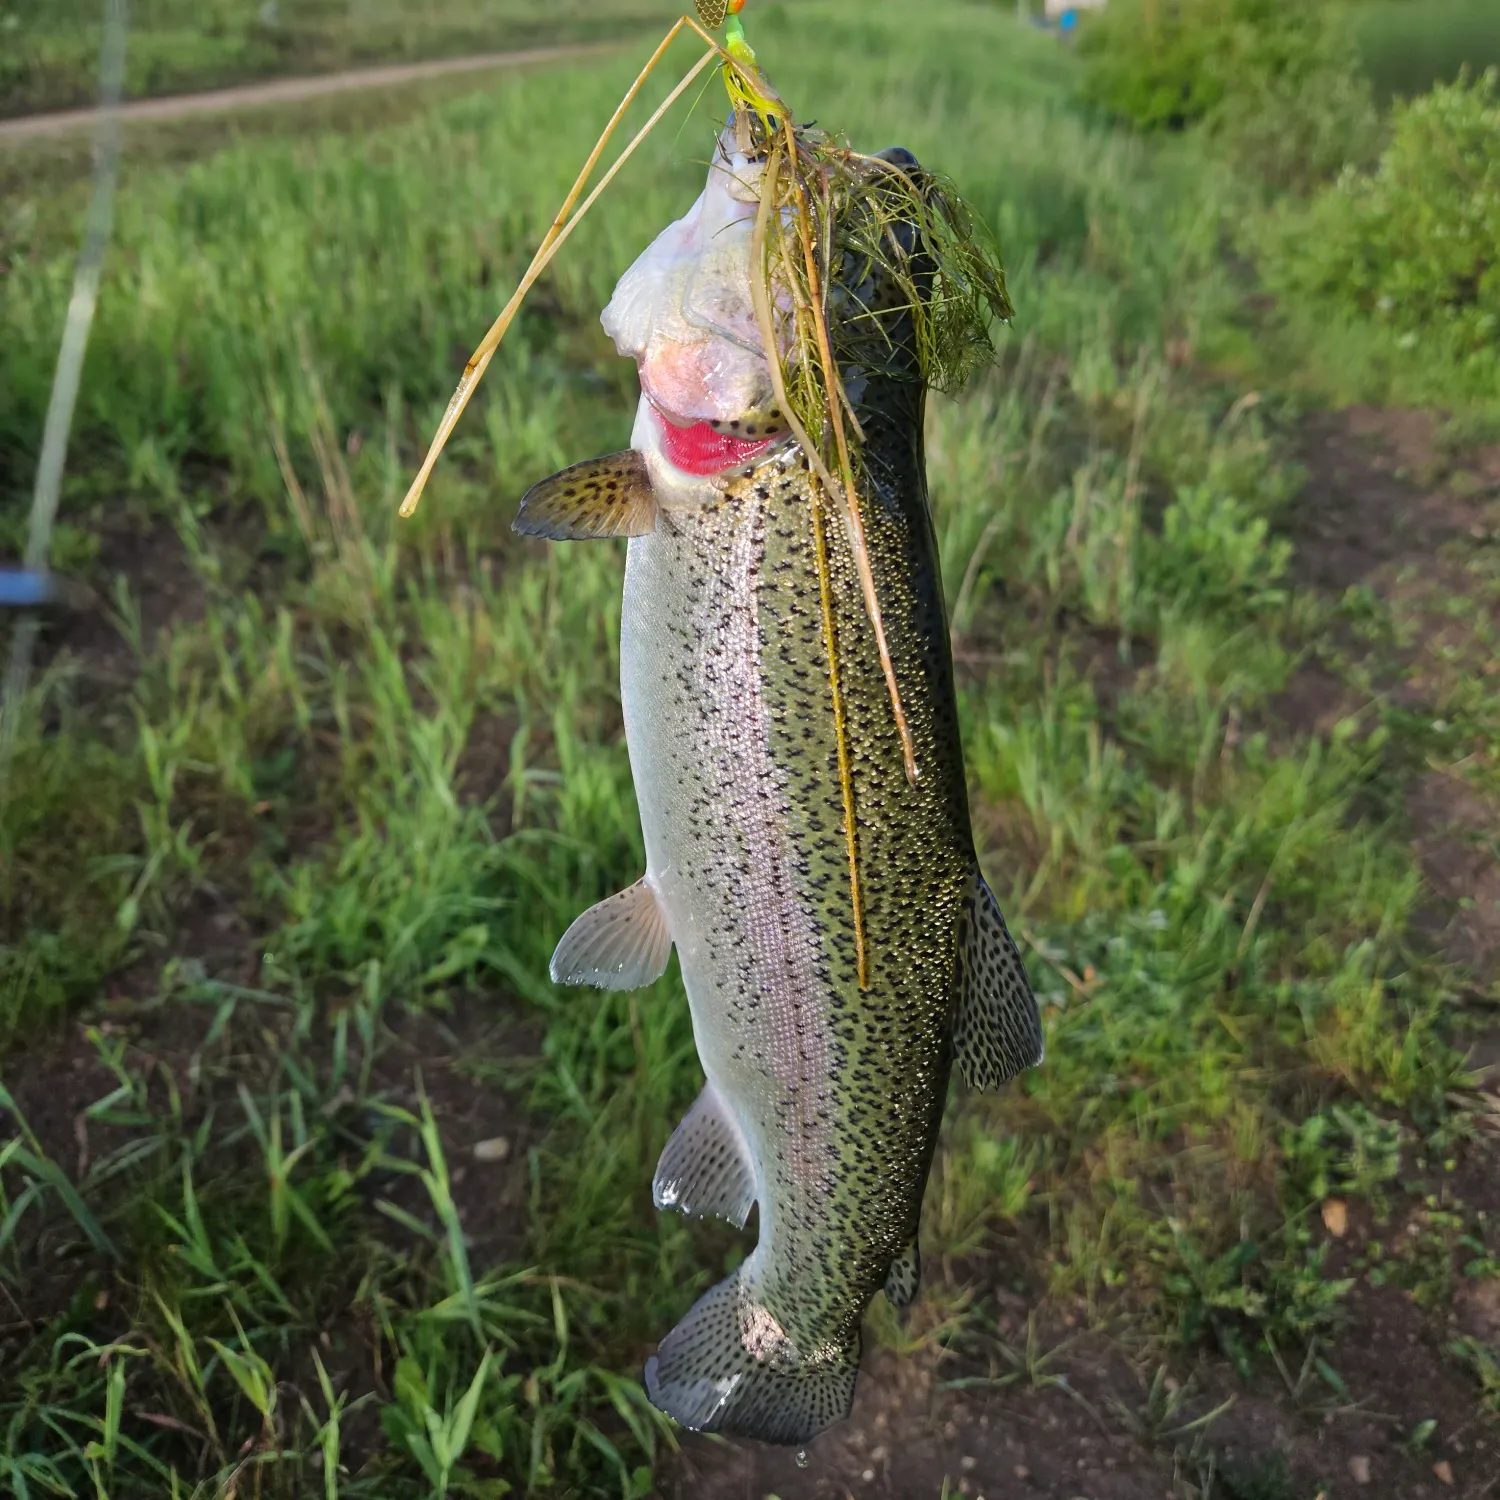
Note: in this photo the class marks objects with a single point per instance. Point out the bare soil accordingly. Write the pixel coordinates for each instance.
(909, 1436)
(1088, 1436)
(1389, 507)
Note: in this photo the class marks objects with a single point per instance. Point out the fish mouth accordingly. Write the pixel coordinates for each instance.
(705, 449)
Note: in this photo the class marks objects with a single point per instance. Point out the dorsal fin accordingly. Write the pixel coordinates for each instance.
(996, 1030)
(600, 497)
(905, 1275)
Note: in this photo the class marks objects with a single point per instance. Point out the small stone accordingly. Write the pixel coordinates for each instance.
(1359, 1469)
(1444, 1471)
(340, 1101)
(868, 1475)
(1021, 1471)
(497, 1148)
(1336, 1217)
(966, 1463)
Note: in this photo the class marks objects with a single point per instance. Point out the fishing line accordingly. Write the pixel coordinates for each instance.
(65, 382)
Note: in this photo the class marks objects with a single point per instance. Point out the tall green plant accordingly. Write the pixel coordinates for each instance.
(1413, 244)
(1279, 79)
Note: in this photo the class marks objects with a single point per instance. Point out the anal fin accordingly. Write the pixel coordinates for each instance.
(997, 1032)
(601, 497)
(620, 944)
(705, 1170)
(905, 1276)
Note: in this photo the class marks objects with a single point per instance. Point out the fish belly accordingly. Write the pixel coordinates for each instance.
(718, 846)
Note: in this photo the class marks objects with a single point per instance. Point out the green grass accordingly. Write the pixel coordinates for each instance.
(1408, 45)
(49, 49)
(394, 751)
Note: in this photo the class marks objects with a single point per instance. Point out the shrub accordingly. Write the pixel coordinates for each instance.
(1277, 80)
(1152, 61)
(1297, 129)
(1414, 244)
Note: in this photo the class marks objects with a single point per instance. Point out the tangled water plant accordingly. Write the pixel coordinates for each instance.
(829, 217)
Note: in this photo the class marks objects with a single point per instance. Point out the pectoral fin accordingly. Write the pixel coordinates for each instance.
(904, 1276)
(996, 1030)
(705, 1169)
(600, 497)
(620, 944)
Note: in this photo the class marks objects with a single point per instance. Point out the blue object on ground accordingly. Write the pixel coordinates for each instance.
(20, 589)
(1067, 20)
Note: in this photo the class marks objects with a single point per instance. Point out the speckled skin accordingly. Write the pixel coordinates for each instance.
(836, 1092)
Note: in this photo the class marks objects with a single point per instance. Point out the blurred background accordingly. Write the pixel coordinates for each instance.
(310, 1181)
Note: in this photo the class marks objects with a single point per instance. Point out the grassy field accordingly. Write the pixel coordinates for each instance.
(1408, 45)
(49, 49)
(317, 1185)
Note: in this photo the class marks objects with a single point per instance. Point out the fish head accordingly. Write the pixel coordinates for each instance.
(686, 314)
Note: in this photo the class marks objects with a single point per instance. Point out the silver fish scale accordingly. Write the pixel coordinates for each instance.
(837, 1092)
(714, 812)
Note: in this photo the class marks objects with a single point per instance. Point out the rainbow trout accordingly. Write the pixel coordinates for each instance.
(823, 1099)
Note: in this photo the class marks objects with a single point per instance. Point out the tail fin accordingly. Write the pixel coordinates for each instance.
(729, 1367)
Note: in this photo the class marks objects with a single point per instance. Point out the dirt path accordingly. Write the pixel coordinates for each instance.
(290, 90)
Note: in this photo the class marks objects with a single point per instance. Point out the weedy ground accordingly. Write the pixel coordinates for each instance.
(312, 1183)
(49, 49)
